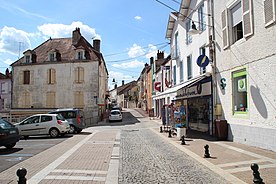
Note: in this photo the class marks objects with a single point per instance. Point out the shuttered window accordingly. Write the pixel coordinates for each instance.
(225, 31)
(25, 100)
(247, 18)
(50, 99)
(51, 73)
(78, 99)
(26, 77)
(79, 75)
(269, 12)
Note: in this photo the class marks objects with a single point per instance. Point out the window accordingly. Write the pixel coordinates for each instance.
(174, 75)
(26, 77)
(80, 55)
(50, 99)
(176, 44)
(269, 12)
(79, 75)
(189, 67)
(78, 99)
(202, 52)
(25, 100)
(46, 118)
(201, 18)
(181, 71)
(4, 88)
(240, 104)
(188, 36)
(52, 56)
(237, 29)
(237, 22)
(51, 73)
(27, 59)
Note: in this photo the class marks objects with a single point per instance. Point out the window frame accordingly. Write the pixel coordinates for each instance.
(181, 70)
(26, 77)
(28, 59)
(235, 75)
(189, 38)
(189, 67)
(201, 18)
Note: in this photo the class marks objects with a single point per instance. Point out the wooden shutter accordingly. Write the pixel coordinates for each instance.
(247, 17)
(53, 76)
(225, 31)
(21, 77)
(81, 74)
(269, 12)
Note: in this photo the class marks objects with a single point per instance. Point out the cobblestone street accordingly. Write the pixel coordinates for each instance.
(145, 158)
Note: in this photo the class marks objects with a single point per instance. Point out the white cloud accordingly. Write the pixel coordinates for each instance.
(12, 39)
(132, 64)
(152, 51)
(136, 51)
(62, 30)
(138, 17)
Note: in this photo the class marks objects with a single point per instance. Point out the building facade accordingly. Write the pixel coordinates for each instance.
(61, 73)
(245, 36)
(5, 93)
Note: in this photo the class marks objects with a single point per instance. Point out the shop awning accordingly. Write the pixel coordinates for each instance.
(175, 88)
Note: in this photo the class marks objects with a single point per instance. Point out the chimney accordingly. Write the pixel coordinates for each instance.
(146, 65)
(151, 60)
(97, 45)
(7, 73)
(76, 36)
(160, 55)
(123, 82)
(115, 86)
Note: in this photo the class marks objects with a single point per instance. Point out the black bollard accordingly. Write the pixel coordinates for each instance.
(21, 173)
(256, 174)
(207, 154)
(183, 140)
(170, 133)
(161, 129)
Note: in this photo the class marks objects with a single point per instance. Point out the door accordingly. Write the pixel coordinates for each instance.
(29, 126)
(45, 124)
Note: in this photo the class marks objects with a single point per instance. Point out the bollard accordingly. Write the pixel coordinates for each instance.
(161, 129)
(165, 129)
(183, 140)
(21, 173)
(207, 154)
(170, 133)
(256, 174)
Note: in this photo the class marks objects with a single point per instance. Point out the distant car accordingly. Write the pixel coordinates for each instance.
(75, 118)
(9, 134)
(115, 115)
(116, 107)
(43, 124)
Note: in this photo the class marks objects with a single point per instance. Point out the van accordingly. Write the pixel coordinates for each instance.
(75, 118)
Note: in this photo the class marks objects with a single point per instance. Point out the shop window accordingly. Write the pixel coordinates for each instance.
(240, 95)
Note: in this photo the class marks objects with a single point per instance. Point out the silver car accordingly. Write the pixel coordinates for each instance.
(43, 124)
(115, 115)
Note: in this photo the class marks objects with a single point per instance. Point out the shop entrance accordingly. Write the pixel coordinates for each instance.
(199, 114)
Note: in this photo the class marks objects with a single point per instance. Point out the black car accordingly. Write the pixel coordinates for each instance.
(9, 134)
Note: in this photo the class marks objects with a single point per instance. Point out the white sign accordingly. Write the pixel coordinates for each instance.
(241, 85)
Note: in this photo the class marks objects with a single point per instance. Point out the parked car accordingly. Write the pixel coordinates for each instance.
(9, 134)
(115, 115)
(74, 117)
(43, 124)
(116, 107)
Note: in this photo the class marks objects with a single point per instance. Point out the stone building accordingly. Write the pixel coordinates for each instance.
(61, 73)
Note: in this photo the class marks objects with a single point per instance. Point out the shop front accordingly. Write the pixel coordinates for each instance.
(196, 102)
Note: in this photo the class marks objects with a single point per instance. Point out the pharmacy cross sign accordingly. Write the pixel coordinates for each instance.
(202, 60)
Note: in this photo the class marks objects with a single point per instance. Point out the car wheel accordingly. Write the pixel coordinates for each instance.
(54, 132)
(72, 129)
(79, 131)
(10, 146)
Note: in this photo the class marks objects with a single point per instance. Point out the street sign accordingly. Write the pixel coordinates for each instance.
(202, 60)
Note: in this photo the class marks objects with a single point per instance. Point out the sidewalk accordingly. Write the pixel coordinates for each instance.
(85, 158)
(231, 160)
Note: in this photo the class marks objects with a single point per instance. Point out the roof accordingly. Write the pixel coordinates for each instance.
(172, 18)
(122, 89)
(64, 47)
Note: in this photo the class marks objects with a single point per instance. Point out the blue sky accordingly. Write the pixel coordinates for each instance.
(131, 31)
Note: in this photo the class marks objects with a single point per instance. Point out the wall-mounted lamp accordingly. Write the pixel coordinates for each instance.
(193, 30)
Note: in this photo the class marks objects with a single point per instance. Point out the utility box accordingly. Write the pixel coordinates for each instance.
(221, 129)
(218, 110)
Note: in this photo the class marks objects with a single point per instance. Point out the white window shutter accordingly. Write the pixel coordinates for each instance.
(225, 31)
(269, 12)
(247, 18)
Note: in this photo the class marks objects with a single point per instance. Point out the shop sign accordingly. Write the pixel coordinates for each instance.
(157, 86)
(197, 90)
(241, 85)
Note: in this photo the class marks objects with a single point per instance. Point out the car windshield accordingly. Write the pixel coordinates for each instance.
(4, 124)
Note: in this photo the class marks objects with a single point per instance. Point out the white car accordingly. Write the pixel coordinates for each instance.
(115, 115)
(43, 124)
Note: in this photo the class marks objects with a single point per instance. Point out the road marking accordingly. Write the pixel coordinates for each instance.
(249, 168)
(241, 163)
(84, 178)
(44, 172)
(78, 171)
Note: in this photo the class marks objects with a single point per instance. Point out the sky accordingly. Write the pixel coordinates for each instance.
(131, 31)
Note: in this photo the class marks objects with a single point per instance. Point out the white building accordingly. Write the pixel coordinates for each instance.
(246, 63)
